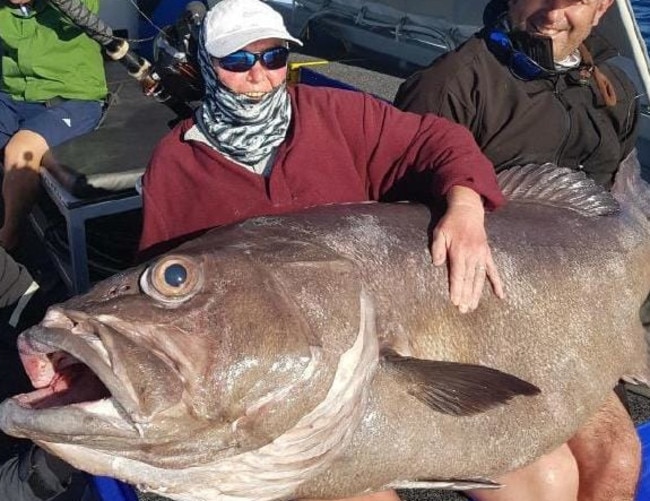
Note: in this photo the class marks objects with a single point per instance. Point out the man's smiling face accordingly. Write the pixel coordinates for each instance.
(567, 22)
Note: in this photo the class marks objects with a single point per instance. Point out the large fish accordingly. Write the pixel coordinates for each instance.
(317, 354)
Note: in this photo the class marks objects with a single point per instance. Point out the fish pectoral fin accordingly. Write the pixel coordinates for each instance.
(452, 484)
(455, 388)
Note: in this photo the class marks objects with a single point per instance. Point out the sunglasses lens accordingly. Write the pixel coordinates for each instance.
(243, 60)
(238, 61)
(275, 58)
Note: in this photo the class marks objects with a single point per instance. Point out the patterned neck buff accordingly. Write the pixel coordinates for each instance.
(244, 129)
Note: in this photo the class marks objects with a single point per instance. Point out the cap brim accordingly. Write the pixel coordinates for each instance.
(222, 46)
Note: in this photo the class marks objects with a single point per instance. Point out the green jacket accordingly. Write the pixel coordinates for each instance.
(44, 55)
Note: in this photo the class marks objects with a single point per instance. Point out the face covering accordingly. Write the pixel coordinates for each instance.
(244, 129)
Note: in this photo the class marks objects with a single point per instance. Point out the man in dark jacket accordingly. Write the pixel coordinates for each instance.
(568, 105)
(535, 86)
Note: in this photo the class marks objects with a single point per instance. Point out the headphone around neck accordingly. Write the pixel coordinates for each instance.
(521, 64)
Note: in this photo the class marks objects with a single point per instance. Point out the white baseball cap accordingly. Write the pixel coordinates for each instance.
(233, 24)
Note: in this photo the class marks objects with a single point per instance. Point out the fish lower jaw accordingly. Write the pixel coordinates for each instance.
(109, 410)
(106, 407)
(73, 370)
(102, 418)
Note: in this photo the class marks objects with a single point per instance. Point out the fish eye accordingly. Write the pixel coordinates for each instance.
(173, 279)
(175, 275)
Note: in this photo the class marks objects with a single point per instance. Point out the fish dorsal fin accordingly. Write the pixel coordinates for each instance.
(556, 186)
(629, 187)
(455, 388)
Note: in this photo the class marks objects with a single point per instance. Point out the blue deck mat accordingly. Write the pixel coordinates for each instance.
(109, 489)
(643, 491)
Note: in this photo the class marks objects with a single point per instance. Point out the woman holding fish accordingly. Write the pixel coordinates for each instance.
(258, 147)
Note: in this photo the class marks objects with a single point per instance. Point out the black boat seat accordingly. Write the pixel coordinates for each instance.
(114, 156)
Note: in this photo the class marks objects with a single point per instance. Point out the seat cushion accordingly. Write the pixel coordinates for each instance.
(113, 156)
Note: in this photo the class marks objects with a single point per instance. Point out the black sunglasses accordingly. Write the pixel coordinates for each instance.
(243, 60)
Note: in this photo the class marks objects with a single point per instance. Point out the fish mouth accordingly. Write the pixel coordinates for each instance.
(76, 389)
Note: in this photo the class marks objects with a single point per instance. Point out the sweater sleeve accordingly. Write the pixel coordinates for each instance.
(401, 143)
(154, 183)
(172, 195)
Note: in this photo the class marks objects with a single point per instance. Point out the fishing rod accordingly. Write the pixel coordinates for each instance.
(137, 66)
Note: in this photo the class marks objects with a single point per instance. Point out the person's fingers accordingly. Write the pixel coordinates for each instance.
(478, 284)
(469, 265)
(439, 248)
(494, 277)
(461, 279)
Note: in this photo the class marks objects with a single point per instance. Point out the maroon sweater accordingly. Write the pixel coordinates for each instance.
(342, 146)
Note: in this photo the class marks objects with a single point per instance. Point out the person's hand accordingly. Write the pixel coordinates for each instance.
(460, 239)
